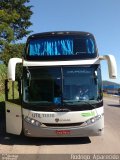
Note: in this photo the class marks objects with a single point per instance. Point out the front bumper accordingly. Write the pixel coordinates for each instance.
(95, 129)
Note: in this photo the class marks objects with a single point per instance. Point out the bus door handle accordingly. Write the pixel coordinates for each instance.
(8, 110)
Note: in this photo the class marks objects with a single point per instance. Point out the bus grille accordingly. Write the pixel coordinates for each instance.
(62, 125)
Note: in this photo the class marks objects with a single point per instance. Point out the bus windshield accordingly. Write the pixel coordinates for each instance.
(48, 48)
(56, 85)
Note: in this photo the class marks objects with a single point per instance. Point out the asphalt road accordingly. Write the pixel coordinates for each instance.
(108, 143)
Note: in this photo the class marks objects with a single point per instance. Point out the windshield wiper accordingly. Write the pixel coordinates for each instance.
(89, 104)
(93, 106)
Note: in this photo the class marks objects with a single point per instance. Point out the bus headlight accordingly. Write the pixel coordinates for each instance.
(32, 121)
(90, 121)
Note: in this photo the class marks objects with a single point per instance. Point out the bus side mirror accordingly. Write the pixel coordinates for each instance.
(112, 67)
(12, 66)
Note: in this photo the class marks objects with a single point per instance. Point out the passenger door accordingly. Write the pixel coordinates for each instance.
(13, 107)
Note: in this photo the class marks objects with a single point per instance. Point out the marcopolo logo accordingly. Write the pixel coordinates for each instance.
(62, 120)
(56, 119)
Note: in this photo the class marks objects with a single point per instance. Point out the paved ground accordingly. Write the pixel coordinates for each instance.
(108, 143)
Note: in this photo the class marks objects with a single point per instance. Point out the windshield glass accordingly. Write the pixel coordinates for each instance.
(61, 47)
(57, 85)
(42, 85)
(80, 83)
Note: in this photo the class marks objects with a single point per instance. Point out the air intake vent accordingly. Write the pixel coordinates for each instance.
(62, 125)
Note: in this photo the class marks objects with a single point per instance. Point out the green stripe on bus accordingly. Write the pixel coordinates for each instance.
(88, 114)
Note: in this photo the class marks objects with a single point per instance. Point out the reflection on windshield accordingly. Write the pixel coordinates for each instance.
(79, 84)
(66, 84)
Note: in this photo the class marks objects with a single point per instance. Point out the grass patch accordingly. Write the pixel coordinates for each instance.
(2, 97)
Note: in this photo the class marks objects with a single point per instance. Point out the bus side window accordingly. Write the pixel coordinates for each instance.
(12, 91)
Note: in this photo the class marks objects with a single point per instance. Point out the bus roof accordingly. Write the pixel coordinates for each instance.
(55, 33)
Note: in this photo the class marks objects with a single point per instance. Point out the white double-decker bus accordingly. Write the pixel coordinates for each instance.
(60, 91)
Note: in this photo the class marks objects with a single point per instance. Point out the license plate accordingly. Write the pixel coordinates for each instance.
(62, 132)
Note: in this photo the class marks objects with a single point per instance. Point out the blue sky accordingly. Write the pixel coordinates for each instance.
(100, 17)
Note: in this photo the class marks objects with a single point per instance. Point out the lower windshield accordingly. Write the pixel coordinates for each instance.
(58, 85)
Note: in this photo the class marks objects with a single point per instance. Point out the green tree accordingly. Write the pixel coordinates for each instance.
(11, 51)
(14, 20)
(3, 75)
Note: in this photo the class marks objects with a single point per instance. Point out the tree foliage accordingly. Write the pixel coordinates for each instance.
(12, 51)
(3, 75)
(14, 20)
